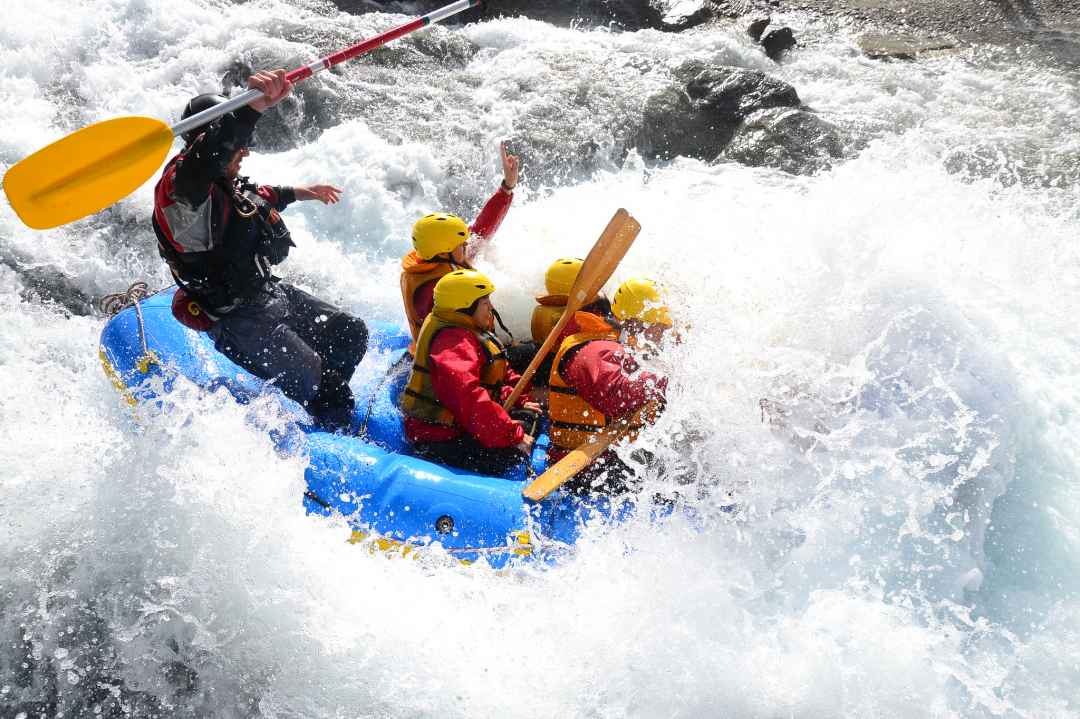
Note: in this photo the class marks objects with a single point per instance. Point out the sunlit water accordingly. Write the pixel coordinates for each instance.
(907, 536)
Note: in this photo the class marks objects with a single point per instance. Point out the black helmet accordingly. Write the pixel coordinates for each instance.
(196, 105)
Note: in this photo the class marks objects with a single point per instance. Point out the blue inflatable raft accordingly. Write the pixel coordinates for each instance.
(391, 500)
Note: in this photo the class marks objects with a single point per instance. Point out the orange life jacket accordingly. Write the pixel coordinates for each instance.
(573, 420)
(419, 400)
(547, 313)
(415, 273)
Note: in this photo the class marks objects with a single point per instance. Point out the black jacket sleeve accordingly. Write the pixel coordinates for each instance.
(206, 158)
(284, 196)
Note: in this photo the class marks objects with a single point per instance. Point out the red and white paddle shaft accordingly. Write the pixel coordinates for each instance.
(303, 73)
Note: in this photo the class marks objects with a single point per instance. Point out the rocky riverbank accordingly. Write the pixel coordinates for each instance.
(952, 17)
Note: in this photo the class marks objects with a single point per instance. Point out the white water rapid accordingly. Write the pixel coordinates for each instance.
(907, 542)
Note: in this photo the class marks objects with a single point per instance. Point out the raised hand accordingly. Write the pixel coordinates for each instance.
(326, 194)
(511, 167)
(274, 86)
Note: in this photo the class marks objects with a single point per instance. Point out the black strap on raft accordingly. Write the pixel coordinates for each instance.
(317, 499)
(422, 398)
(576, 427)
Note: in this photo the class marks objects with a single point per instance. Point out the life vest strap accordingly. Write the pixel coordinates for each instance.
(570, 426)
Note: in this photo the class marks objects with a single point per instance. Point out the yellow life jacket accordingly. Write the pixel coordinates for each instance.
(547, 313)
(419, 400)
(415, 273)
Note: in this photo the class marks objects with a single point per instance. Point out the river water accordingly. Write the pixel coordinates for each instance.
(906, 541)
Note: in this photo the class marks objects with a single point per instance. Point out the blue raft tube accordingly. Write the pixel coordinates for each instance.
(392, 501)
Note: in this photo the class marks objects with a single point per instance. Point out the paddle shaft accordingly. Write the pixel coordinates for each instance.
(303, 73)
(572, 306)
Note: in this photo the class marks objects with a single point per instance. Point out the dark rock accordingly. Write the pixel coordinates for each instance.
(756, 28)
(777, 42)
(700, 120)
(49, 285)
(679, 15)
(672, 125)
(793, 140)
(737, 92)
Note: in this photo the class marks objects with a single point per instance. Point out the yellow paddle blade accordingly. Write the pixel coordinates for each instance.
(605, 256)
(562, 471)
(86, 171)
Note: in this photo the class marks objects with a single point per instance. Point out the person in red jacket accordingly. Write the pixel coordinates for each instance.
(595, 381)
(442, 243)
(460, 377)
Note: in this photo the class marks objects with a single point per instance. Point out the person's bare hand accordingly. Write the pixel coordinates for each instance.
(326, 194)
(533, 407)
(511, 166)
(274, 86)
(525, 445)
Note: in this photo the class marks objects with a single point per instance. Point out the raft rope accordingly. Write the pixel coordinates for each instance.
(114, 303)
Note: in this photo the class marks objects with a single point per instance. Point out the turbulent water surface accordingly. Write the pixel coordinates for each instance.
(907, 540)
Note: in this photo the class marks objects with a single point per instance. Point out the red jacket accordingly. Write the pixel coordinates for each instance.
(483, 229)
(608, 378)
(455, 361)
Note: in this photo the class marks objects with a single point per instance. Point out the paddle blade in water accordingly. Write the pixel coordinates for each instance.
(564, 470)
(87, 171)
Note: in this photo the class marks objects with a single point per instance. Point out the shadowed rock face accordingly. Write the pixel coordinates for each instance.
(700, 119)
(49, 285)
(777, 42)
(789, 139)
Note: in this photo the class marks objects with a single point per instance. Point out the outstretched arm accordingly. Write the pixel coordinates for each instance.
(511, 168)
(326, 194)
(491, 217)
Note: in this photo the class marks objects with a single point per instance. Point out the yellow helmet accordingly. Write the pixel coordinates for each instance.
(639, 299)
(459, 289)
(561, 276)
(438, 233)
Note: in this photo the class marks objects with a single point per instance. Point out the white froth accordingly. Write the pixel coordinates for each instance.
(908, 528)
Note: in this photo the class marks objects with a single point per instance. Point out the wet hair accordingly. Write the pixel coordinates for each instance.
(600, 306)
(472, 308)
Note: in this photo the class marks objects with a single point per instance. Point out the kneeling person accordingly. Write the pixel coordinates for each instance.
(220, 234)
(452, 404)
(595, 381)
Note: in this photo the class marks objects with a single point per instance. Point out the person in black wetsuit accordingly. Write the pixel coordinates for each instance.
(220, 235)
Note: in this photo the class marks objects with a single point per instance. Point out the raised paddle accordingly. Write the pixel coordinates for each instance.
(596, 270)
(101, 164)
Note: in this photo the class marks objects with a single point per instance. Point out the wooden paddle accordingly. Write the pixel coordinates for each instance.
(99, 165)
(596, 270)
(564, 470)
